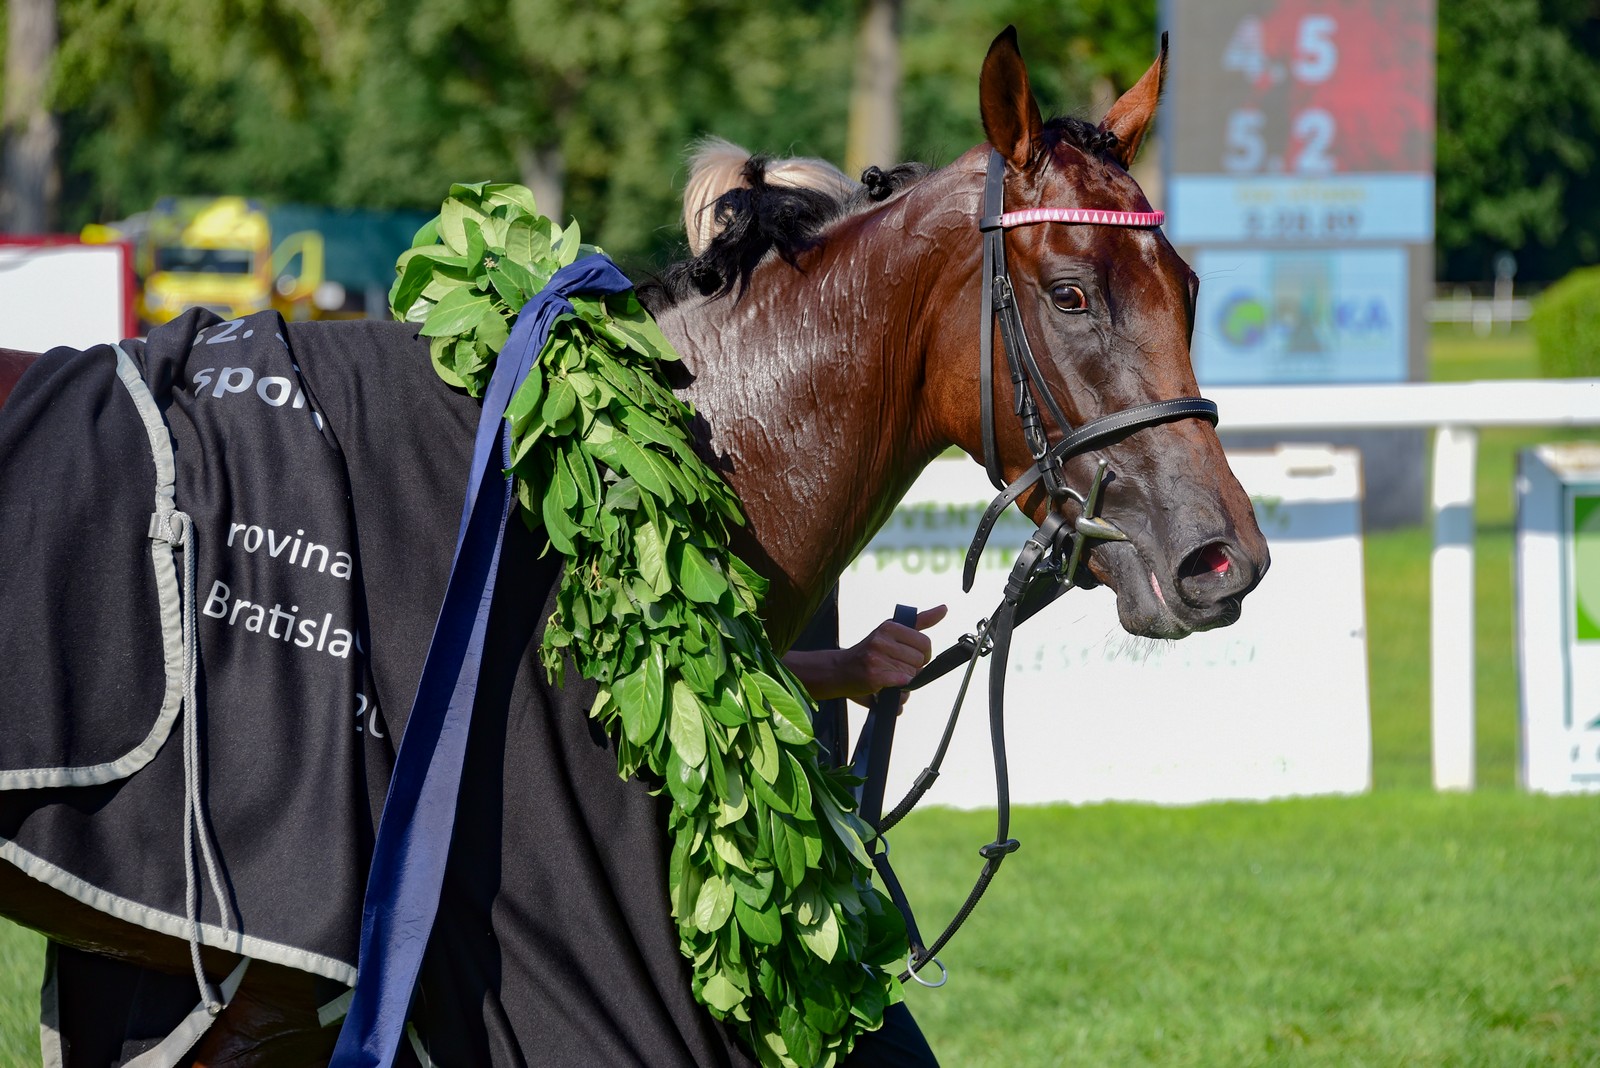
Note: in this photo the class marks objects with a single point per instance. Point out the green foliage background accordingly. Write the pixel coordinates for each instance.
(1566, 325)
(360, 103)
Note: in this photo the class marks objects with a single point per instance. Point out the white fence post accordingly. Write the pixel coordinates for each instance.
(1455, 461)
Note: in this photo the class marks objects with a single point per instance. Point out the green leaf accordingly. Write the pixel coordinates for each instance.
(720, 994)
(801, 1040)
(651, 557)
(685, 782)
(686, 727)
(764, 757)
(653, 472)
(799, 785)
(640, 698)
(867, 1005)
(528, 244)
(788, 848)
(493, 331)
(735, 803)
(822, 935)
(729, 852)
(753, 888)
(458, 312)
(769, 794)
(698, 579)
(569, 245)
(558, 402)
(513, 283)
(790, 721)
(724, 707)
(526, 398)
(847, 829)
(476, 246)
(452, 223)
(714, 905)
(516, 195)
(761, 922)
(413, 273)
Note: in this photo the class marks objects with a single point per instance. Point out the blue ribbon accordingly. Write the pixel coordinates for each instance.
(408, 859)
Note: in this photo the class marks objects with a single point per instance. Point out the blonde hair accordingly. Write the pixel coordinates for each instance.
(717, 166)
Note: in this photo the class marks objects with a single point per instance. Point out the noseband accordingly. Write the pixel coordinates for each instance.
(1045, 567)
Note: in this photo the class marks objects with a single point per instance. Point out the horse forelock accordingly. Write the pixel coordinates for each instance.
(1081, 134)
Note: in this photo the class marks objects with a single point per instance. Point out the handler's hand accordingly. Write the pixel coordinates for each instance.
(890, 656)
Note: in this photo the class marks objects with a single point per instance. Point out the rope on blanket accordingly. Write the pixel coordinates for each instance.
(177, 530)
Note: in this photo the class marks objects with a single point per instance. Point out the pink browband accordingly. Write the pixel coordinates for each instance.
(1141, 219)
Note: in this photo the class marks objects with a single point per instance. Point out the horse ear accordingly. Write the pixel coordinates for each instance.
(1130, 117)
(1011, 116)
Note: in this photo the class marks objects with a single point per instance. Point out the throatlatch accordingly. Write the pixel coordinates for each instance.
(1046, 567)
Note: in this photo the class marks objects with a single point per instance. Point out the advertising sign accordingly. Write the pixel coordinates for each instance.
(1558, 617)
(1274, 705)
(1303, 127)
(1302, 316)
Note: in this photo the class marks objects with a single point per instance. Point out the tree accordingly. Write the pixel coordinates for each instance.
(31, 181)
(874, 135)
(1519, 136)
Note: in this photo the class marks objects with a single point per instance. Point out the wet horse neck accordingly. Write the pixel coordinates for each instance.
(809, 389)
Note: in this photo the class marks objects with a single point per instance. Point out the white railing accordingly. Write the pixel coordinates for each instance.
(1456, 411)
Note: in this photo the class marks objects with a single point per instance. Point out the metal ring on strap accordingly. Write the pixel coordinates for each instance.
(912, 969)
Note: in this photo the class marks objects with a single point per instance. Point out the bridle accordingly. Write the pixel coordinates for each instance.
(1027, 381)
(1046, 567)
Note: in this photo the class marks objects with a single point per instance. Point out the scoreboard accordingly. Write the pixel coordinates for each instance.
(1298, 141)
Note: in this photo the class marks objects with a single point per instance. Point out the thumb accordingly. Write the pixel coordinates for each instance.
(929, 617)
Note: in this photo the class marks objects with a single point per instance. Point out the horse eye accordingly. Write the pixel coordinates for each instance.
(1069, 298)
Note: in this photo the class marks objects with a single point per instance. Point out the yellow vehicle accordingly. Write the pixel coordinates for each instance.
(219, 253)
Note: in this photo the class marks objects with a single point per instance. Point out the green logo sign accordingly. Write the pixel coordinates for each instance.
(1586, 568)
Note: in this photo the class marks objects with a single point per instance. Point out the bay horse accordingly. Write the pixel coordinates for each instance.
(831, 348)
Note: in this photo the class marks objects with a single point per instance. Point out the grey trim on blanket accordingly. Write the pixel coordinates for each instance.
(167, 593)
(419, 1048)
(50, 1053)
(174, 1049)
(169, 924)
(335, 1010)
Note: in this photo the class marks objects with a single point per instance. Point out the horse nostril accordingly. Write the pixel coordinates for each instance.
(1212, 559)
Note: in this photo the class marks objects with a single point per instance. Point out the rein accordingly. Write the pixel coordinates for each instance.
(1046, 567)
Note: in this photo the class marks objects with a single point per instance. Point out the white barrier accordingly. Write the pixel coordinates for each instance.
(57, 291)
(1273, 706)
(1456, 411)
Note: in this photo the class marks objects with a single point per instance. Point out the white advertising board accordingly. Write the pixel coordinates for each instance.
(1558, 617)
(1275, 705)
(59, 292)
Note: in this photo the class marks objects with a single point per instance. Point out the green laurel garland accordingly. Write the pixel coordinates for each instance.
(769, 880)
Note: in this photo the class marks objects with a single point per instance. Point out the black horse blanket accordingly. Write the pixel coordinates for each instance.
(323, 468)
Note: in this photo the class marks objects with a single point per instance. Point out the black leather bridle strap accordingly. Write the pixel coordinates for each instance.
(871, 759)
(1042, 546)
(1088, 436)
(1028, 385)
(992, 243)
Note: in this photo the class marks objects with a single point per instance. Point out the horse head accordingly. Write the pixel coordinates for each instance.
(1109, 310)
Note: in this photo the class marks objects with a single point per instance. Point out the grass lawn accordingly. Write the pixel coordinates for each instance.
(1398, 928)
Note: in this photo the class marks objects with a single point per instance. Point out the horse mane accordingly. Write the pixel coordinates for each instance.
(740, 207)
